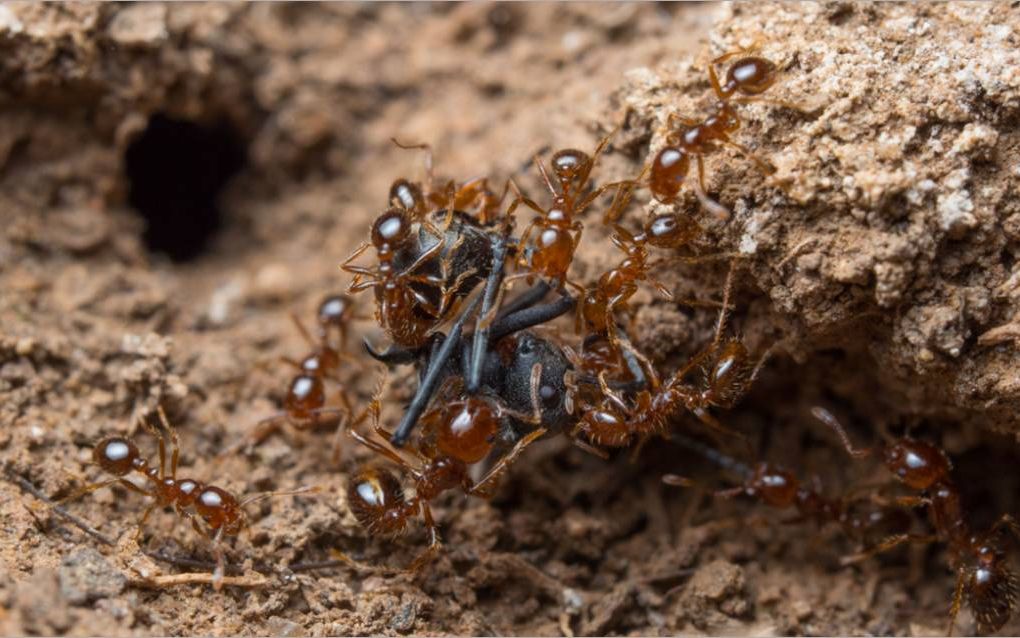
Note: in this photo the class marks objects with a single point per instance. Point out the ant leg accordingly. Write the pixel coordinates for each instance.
(762, 165)
(721, 212)
(529, 317)
(302, 329)
(886, 545)
(828, 419)
(430, 381)
(144, 518)
(485, 487)
(705, 417)
(714, 80)
(162, 447)
(701, 172)
(800, 108)
(720, 323)
(221, 563)
(483, 324)
(346, 265)
(175, 451)
(954, 608)
(435, 543)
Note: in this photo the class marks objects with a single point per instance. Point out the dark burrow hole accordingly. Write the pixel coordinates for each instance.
(176, 170)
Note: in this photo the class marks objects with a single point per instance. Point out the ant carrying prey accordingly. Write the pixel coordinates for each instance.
(212, 511)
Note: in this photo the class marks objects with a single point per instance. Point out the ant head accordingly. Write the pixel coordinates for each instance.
(335, 311)
(569, 165)
(406, 195)
(464, 429)
(917, 464)
(751, 75)
(219, 508)
(116, 455)
(669, 168)
(991, 588)
(374, 496)
(671, 230)
(391, 229)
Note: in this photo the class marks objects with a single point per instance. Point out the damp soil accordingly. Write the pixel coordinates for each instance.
(175, 180)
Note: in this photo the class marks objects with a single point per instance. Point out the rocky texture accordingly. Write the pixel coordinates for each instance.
(879, 257)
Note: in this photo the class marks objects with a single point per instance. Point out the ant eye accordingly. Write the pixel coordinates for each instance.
(548, 394)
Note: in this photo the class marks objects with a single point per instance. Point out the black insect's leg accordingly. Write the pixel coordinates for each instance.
(527, 299)
(393, 355)
(436, 371)
(530, 317)
(480, 343)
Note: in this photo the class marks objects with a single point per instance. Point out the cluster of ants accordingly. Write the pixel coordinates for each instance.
(447, 258)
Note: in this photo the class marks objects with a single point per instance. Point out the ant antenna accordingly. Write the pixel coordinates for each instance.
(826, 417)
(261, 496)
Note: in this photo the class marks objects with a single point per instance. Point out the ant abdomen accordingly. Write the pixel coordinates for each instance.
(464, 429)
(992, 593)
(306, 394)
(917, 464)
(752, 75)
(376, 498)
(730, 376)
(117, 456)
(669, 169)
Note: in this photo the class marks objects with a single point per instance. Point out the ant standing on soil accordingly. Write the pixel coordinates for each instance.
(220, 511)
(980, 560)
(749, 76)
(781, 489)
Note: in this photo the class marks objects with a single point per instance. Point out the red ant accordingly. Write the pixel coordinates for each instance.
(781, 489)
(614, 421)
(473, 195)
(406, 313)
(983, 575)
(457, 434)
(558, 229)
(749, 76)
(304, 404)
(221, 511)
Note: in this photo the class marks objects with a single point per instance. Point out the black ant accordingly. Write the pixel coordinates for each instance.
(980, 560)
(221, 511)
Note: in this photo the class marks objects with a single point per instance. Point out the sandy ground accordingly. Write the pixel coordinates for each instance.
(880, 257)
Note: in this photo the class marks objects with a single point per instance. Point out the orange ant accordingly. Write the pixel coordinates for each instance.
(221, 511)
(614, 422)
(408, 314)
(458, 433)
(305, 403)
(558, 229)
(473, 195)
(749, 76)
(983, 575)
(781, 489)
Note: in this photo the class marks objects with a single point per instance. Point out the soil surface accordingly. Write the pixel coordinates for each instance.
(175, 180)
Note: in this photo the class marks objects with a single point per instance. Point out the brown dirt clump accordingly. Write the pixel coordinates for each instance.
(880, 256)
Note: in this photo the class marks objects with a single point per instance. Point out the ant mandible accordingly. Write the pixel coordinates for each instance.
(220, 510)
(456, 435)
(980, 560)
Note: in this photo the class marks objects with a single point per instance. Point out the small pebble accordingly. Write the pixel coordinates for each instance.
(86, 576)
